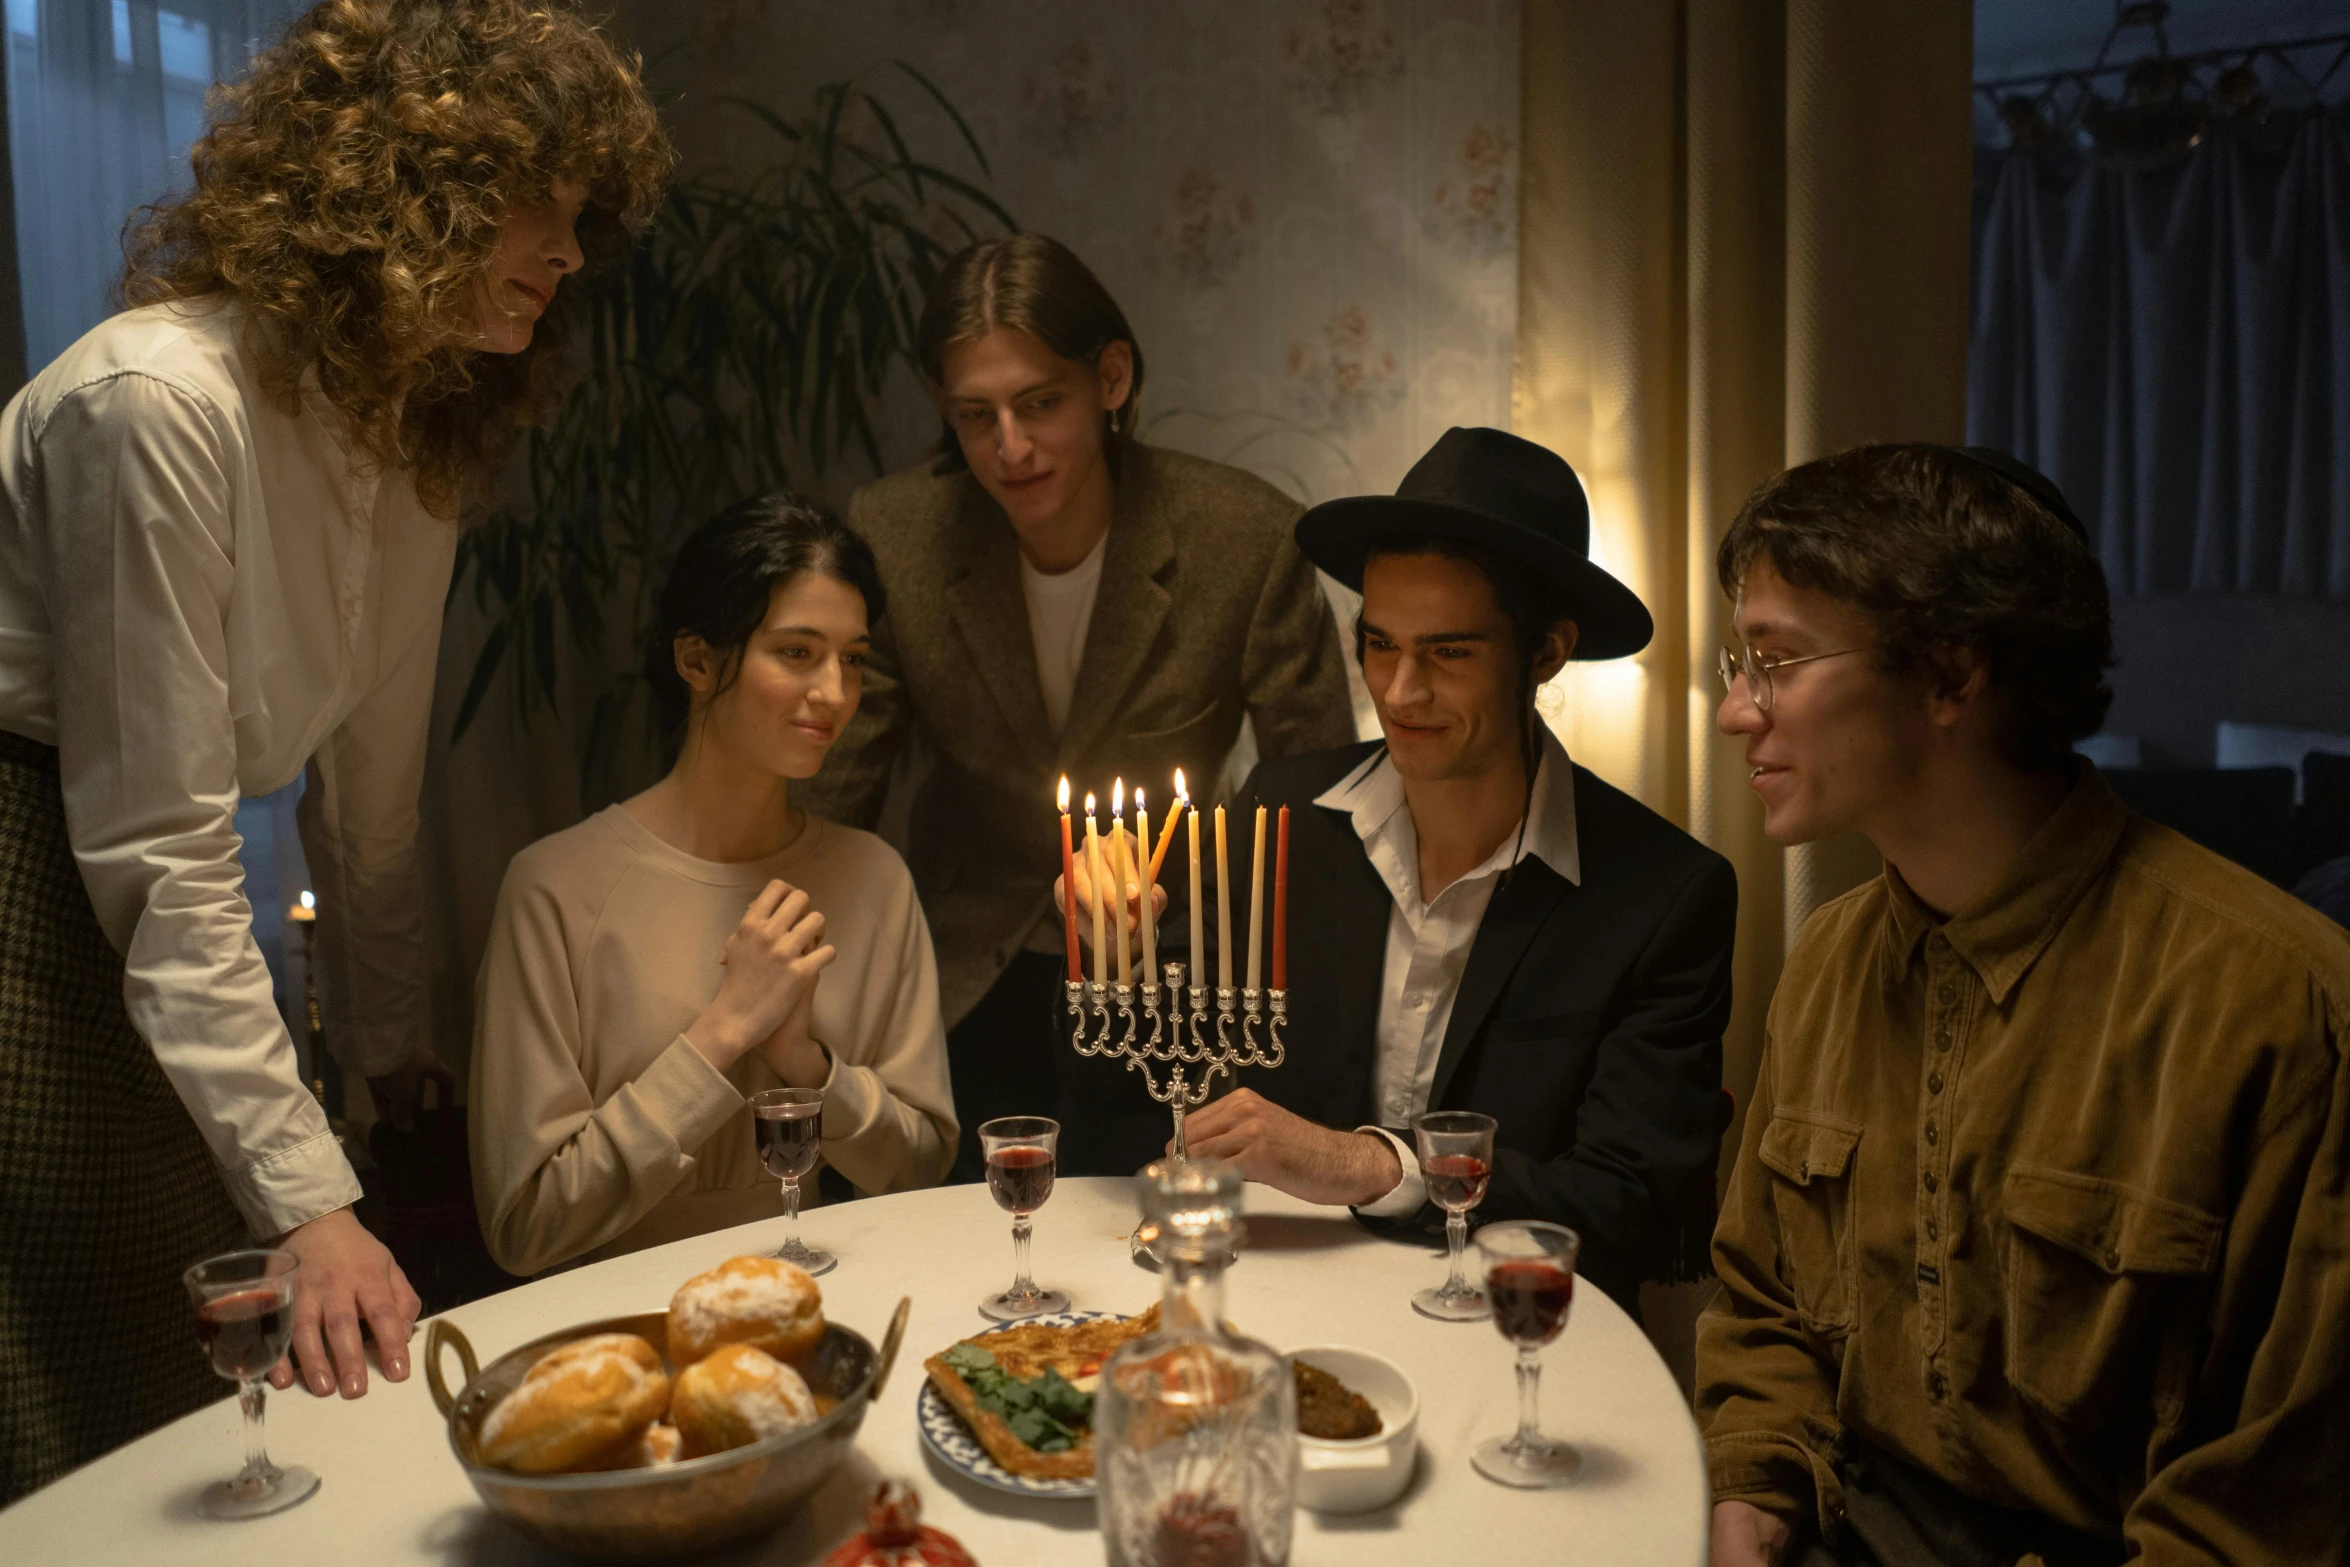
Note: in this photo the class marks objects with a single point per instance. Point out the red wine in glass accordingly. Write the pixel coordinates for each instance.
(789, 1126)
(789, 1140)
(245, 1333)
(1456, 1181)
(1020, 1179)
(1530, 1300)
(244, 1303)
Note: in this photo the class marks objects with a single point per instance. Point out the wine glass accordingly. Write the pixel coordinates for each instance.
(790, 1122)
(1530, 1278)
(1456, 1160)
(1020, 1151)
(244, 1319)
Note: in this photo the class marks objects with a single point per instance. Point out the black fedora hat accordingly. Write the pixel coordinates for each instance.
(1503, 494)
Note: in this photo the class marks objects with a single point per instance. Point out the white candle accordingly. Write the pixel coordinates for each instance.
(1118, 875)
(1199, 940)
(1150, 937)
(1256, 907)
(1223, 906)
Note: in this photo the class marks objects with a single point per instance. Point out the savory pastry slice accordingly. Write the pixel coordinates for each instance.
(1026, 1392)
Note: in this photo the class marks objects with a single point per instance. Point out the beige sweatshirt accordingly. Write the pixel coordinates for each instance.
(597, 1129)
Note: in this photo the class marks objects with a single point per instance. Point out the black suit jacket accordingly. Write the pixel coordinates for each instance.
(1588, 1024)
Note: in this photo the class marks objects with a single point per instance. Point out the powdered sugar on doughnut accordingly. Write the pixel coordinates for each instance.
(777, 1404)
(745, 1290)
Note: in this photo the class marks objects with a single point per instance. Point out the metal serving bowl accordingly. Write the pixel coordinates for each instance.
(624, 1515)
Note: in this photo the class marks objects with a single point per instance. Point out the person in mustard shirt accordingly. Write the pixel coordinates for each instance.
(2034, 1250)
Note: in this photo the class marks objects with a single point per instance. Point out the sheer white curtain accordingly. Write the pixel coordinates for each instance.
(104, 99)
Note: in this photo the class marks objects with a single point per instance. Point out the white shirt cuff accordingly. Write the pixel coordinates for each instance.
(1408, 1194)
(293, 1186)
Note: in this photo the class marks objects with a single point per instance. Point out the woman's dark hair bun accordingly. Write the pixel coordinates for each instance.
(724, 574)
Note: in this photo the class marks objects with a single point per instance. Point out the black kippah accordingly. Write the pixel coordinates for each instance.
(2028, 479)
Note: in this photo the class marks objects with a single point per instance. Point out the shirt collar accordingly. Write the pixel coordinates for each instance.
(2004, 932)
(1373, 793)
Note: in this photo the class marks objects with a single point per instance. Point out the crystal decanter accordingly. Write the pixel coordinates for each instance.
(1195, 1427)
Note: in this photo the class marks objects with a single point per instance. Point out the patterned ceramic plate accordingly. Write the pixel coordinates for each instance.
(952, 1443)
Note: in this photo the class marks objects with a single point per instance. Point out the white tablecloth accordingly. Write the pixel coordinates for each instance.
(394, 1494)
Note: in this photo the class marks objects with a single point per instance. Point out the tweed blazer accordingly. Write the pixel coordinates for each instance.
(1206, 613)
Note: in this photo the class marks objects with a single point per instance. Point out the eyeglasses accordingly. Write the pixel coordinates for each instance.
(1758, 670)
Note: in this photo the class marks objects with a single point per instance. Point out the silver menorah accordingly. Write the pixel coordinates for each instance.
(1176, 1040)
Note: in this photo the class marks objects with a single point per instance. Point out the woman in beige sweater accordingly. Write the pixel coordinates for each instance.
(654, 966)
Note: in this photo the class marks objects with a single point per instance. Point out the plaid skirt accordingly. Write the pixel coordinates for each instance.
(107, 1192)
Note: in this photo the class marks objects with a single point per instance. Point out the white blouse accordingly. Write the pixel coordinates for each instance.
(199, 596)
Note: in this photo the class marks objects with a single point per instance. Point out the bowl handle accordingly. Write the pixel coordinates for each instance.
(444, 1333)
(890, 1342)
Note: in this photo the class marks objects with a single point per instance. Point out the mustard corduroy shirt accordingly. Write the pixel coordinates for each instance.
(2049, 1199)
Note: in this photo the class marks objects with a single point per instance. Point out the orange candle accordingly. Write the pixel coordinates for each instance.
(1093, 869)
(1280, 905)
(1256, 906)
(1166, 832)
(1069, 887)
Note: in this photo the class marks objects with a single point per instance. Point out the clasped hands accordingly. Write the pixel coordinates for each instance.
(767, 997)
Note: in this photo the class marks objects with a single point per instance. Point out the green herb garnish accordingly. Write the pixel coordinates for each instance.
(1047, 1412)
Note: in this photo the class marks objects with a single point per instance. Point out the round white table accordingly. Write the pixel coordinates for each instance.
(394, 1494)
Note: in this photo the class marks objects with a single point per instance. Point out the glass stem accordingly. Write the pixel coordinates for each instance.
(1456, 1236)
(1529, 1400)
(791, 1211)
(252, 1394)
(1022, 1284)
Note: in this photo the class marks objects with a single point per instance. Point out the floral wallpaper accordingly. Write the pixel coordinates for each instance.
(1308, 208)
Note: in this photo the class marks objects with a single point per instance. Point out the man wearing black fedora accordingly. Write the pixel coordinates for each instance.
(1476, 923)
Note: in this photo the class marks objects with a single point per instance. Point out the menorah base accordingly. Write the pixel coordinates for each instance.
(1167, 1041)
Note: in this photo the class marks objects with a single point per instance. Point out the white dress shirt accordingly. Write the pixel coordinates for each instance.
(198, 596)
(1428, 940)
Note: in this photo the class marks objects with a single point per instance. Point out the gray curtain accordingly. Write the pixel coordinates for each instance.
(2172, 346)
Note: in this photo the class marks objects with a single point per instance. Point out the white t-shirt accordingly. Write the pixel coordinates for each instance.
(1060, 609)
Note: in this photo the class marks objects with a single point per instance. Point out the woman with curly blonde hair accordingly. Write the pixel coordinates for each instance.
(230, 525)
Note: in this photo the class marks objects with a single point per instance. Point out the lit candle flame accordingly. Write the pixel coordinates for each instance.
(1089, 805)
(1138, 805)
(1182, 795)
(1117, 797)
(1064, 795)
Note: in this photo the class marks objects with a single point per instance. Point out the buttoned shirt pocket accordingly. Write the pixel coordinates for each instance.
(1811, 1157)
(2104, 1282)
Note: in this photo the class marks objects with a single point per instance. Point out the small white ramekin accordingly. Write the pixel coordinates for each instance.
(1367, 1472)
